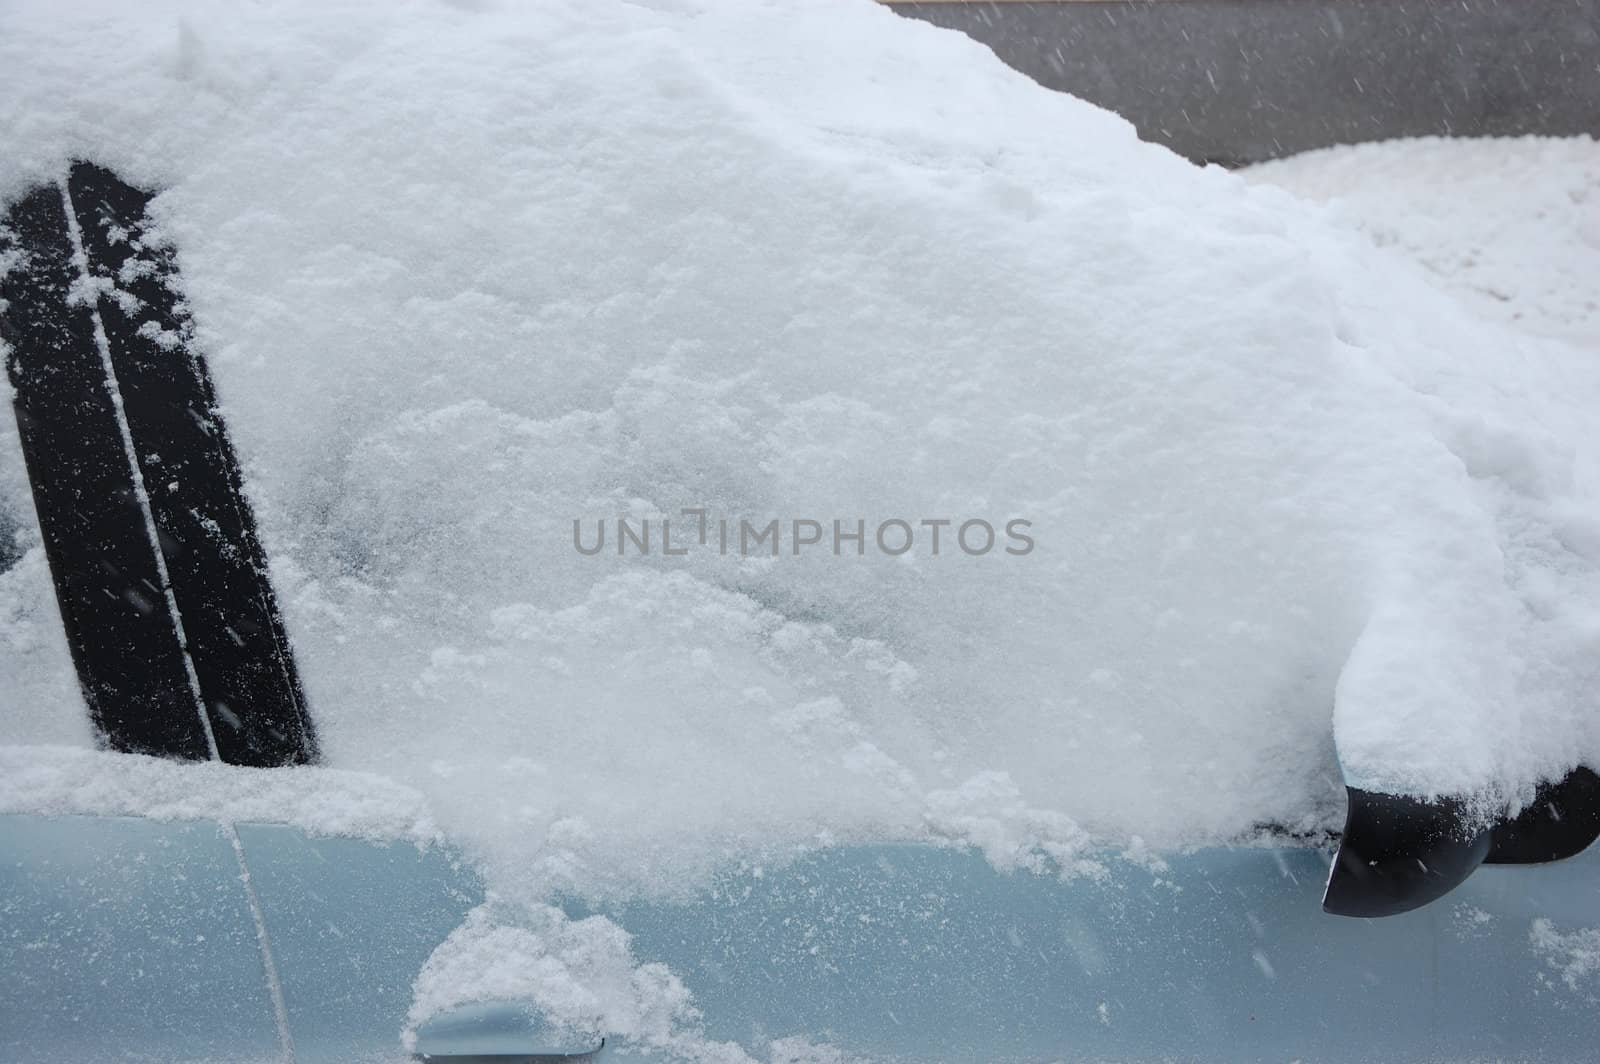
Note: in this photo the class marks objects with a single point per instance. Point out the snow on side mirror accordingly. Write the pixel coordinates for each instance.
(1399, 853)
(1561, 822)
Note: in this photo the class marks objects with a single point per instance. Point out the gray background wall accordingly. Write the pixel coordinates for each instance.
(1237, 81)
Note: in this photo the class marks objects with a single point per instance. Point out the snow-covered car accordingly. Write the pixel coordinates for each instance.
(587, 532)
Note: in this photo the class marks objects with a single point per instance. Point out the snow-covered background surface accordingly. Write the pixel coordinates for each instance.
(465, 273)
(1510, 225)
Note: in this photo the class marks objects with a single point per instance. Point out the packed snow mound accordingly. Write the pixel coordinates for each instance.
(473, 278)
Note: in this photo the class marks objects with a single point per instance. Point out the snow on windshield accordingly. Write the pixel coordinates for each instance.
(1219, 485)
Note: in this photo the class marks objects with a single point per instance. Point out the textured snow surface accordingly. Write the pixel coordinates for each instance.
(1574, 956)
(1512, 225)
(580, 974)
(584, 979)
(70, 781)
(466, 273)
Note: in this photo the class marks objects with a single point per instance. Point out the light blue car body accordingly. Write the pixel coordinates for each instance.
(128, 939)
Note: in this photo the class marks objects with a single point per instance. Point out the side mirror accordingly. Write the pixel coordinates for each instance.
(1399, 853)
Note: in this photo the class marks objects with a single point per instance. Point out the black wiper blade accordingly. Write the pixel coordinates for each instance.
(162, 582)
